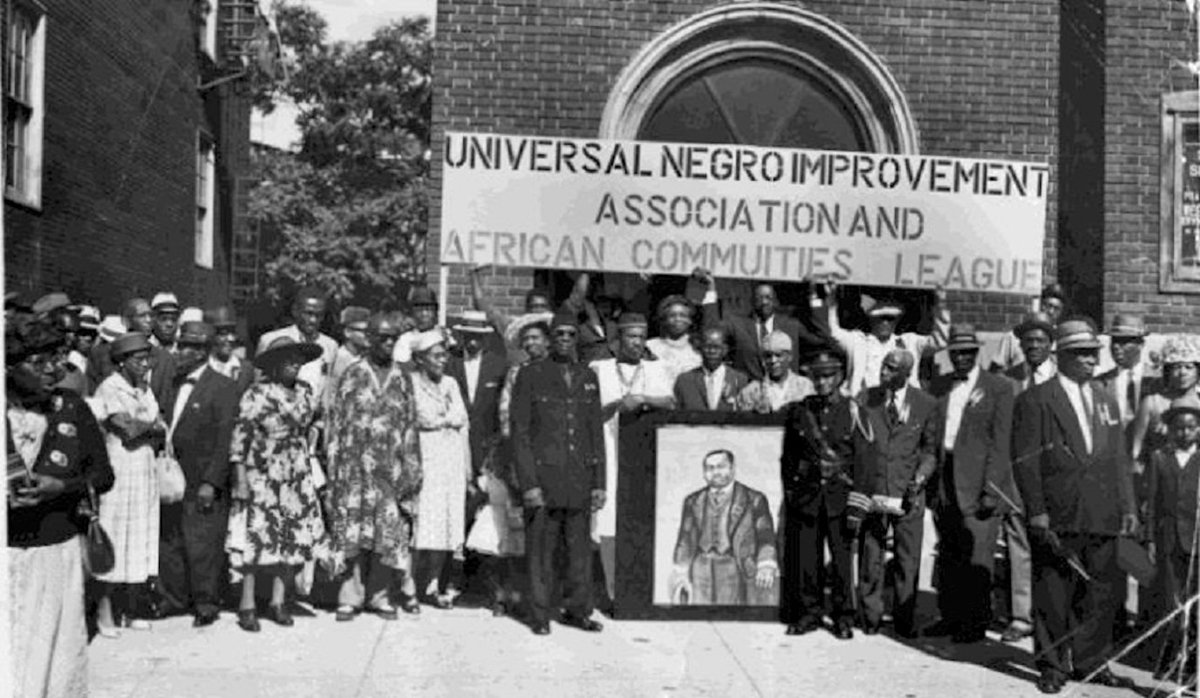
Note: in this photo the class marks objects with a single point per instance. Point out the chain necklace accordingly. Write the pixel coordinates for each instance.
(627, 385)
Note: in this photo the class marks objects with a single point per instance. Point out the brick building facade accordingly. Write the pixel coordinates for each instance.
(128, 121)
(1076, 84)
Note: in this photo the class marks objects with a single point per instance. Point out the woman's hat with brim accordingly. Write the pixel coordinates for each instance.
(25, 339)
(1189, 402)
(129, 343)
(512, 334)
(424, 341)
(286, 348)
(1037, 320)
(1181, 349)
(1075, 335)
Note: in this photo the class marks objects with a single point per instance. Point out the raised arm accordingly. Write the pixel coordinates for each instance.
(497, 319)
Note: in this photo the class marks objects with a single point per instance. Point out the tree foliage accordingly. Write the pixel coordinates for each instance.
(348, 211)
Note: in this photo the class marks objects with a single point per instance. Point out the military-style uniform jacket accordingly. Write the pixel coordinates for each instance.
(818, 427)
(558, 433)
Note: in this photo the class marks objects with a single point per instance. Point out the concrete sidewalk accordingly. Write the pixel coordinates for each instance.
(466, 652)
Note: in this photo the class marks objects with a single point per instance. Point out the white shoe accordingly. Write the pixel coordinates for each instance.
(138, 624)
(109, 632)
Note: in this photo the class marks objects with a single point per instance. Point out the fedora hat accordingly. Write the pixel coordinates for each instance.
(963, 338)
(89, 317)
(164, 302)
(196, 333)
(1126, 325)
(221, 317)
(129, 343)
(880, 307)
(1075, 334)
(1036, 320)
(1189, 402)
(422, 295)
(284, 348)
(354, 317)
(474, 322)
(111, 327)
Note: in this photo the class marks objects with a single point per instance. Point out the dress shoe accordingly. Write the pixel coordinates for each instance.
(280, 615)
(204, 619)
(345, 614)
(942, 628)
(804, 626)
(384, 612)
(542, 628)
(1106, 678)
(905, 632)
(1051, 682)
(870, 629)
(842, 630)
(585, 624)
(411, 606)
(248, 621)
(1016, 631)
(499, 610)
(968, 637)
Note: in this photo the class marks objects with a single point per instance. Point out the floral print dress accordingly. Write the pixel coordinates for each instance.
(283, 513)
(375, 467)
(446, 461)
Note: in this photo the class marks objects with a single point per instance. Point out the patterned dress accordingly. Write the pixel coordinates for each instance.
(283, 513)
(374, 464)
(446, 460)
(129, 511)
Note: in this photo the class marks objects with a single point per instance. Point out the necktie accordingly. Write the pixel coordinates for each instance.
(1089, 409)
(1131, 401)
(893, 413)
(762, 334)
(567, 375)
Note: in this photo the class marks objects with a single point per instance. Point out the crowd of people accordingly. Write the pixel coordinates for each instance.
(411, 460)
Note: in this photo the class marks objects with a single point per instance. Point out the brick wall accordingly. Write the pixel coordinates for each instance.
(118, 187)
(1143, 37)
(981, 80)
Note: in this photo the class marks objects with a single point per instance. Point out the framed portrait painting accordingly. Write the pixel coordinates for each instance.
(699, 501)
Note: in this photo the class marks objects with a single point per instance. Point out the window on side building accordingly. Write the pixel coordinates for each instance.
(205, 200)
(1179, 240)
(24, 108)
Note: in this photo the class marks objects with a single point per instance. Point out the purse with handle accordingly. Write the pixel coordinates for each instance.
(171, 481)
(98, 553)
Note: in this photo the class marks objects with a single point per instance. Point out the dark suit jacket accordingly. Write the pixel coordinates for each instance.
(743, 334)
(692, 394)
(162, 377)
(1056, 476)
(815, 424)
(981, 448)
(750, 526)
(201, 437)
(484, 411)
(893, 457)
(1151, 385)
(558, 433)
(1172, 500)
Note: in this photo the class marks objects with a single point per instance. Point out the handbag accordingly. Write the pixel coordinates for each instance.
(171, 481)
(98, 553)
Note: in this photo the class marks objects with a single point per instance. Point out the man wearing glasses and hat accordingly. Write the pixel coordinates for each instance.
(558, 443)
(867, 349)
(973, 487)
(817, 467)
(1073, 469)
(200, 416)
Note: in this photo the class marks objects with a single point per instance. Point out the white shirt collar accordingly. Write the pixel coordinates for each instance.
(900, 394)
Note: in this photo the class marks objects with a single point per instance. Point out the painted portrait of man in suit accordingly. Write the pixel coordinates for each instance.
(725, 551)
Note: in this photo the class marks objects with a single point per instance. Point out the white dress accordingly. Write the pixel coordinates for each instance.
(445, 463)
(646, 378)
(678, 356)
(129, 511)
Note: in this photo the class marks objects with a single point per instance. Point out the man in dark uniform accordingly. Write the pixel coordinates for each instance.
(817, 467)
(558, 444)
(1073, 470)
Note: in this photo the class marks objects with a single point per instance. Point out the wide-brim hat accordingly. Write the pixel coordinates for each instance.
(284, 348)
(89, 317)
(1036, 320)
(129, 343)
(1127, 326)
(195, 333)
(1073, 335)
(111, 327)
(424, 341)
(25, 339)
(50, 302)
(963, 338)
(473, 322)
(512, 333)
(1189, 402)
(878, 307)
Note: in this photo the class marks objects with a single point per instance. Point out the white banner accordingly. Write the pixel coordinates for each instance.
(743, 212)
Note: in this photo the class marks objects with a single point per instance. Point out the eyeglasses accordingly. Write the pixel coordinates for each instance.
(565, 333)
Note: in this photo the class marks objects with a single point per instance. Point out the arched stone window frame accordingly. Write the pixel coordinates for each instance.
(811, 42)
